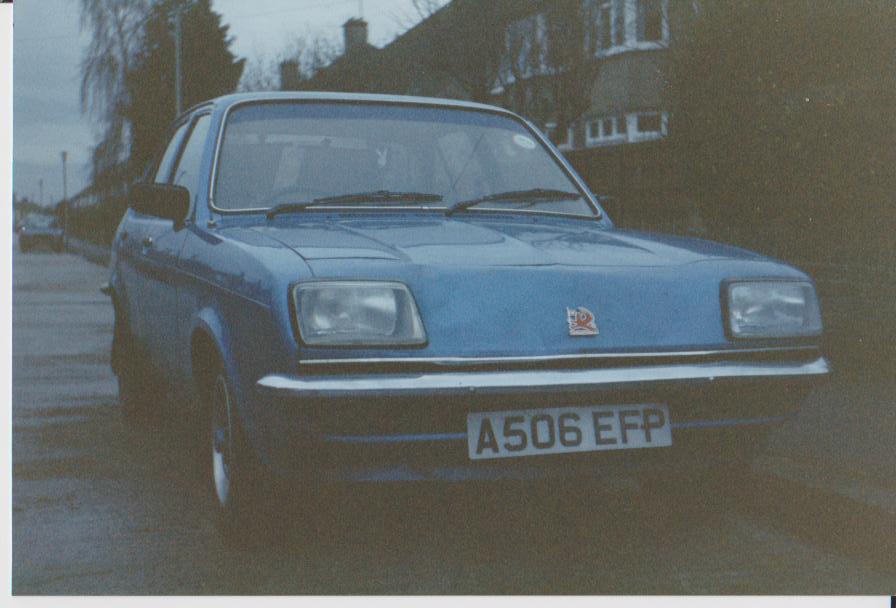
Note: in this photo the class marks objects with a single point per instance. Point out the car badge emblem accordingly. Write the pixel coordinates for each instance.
(581, 322)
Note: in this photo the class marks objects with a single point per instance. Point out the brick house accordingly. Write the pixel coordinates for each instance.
(590, 73)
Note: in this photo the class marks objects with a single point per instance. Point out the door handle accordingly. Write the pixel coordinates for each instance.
(147, 242)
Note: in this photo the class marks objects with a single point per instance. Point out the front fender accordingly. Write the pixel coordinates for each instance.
(208, 323)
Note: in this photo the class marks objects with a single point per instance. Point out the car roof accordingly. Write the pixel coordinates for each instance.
(225, 101)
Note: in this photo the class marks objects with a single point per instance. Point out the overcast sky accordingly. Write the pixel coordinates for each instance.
(47, 47)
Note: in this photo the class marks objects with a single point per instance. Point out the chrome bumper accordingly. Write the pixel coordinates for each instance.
(478, 382)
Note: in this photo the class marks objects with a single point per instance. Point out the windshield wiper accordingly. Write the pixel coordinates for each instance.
(531, 195)
(376, 196)
(380, 196)
(289, 208)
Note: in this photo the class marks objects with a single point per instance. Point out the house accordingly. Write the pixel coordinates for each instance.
(589, 73)
(356, 69)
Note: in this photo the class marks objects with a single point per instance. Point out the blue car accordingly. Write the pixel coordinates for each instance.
(350, 288)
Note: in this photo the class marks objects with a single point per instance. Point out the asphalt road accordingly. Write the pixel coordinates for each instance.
(103, 506)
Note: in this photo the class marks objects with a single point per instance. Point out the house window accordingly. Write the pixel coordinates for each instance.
(645, 126)
(604, 26)
(618, 22)
(605, 130)
(650, 123)
(555, 136)
(610, 24)
(651, 21)
(620, 25)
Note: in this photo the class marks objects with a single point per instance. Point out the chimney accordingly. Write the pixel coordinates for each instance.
(355, 32)
(289, 76)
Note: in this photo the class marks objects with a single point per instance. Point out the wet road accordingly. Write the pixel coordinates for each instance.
(103, 506)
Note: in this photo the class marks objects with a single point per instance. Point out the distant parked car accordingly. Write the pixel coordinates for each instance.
(389, 289)
(40, 230)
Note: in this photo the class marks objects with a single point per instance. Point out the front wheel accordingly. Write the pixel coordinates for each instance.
(242, 503)
(252, 509)
(224, 467)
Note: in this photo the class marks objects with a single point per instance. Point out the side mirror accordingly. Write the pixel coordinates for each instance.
(160, 200)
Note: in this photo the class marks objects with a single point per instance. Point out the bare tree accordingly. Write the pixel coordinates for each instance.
(292, 67)
(524, 64)
(421, 10)
(466, 43)
(261, 74)
(425, 8)
(571, 60)
(312, 53)
(114, 27)
(548, 71)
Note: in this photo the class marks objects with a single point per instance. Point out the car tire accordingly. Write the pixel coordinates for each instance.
(244, 503)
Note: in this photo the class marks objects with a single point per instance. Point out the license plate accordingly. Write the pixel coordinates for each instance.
(568, 429)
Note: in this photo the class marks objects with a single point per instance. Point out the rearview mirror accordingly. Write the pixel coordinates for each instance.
(161, 200)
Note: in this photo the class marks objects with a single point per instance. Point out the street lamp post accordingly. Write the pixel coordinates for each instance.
(178, 96)
(64, 155)
(64, 195)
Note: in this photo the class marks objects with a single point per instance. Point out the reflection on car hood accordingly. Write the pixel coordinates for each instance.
(484, 241)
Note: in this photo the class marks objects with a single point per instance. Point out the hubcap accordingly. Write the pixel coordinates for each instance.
(222, 443)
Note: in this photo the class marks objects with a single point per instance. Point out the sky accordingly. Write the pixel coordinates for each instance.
(47, 48)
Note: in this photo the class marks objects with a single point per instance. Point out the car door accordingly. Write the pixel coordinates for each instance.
(132, 258)
(161, 242)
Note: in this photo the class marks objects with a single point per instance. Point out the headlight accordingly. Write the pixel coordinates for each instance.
(772, 309)
(357, 313)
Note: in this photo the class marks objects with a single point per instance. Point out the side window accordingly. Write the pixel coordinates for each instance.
(164, 170)
(187, 172)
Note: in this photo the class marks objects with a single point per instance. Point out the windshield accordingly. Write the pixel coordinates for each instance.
(279, 153)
